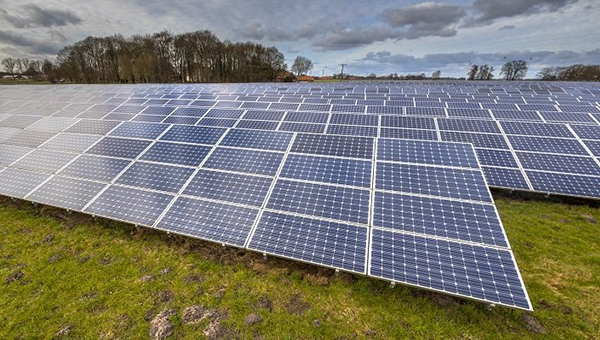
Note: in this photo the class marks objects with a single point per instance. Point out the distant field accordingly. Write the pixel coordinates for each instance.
(70, 277)
(23, 82)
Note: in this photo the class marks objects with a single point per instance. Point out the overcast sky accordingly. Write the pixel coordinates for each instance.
(379, 37)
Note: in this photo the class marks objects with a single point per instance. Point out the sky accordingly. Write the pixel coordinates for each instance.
(381, 37)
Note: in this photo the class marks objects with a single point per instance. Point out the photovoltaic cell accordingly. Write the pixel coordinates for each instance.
(130, 205)
(155, 176)
(328, 170)
(194, 134)
(311, 240)
(176, 153)
(235, 188)
(18, 183)
(119, 147)
(575, 185)
(505, 178)
(426, 152)
(217, 222)
(139, 130)
(550, 145)
(559, 163)
(435, 181)
(482, 273)
(243, 160)
(66, 193)
(103, 169)
(340, 203)
(265, 140)
(343, 146)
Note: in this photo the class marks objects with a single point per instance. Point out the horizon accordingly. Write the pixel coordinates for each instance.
(405, 38)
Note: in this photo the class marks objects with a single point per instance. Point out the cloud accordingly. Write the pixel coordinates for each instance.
(408, 63)
(426, 19)
(487, 11)
(35, 16)
(507, 28)
(345, 38)
(30, 45)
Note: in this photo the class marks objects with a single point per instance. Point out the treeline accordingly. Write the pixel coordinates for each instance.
(164, 58)
(24, 67)
(571, 73)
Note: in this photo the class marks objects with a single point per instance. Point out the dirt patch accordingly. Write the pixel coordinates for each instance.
(146, 278)
(214, 330)
(105, 261)
(265, 303)
(220, 293)
(164, 296)
(532, 324)
(557, 282)
(161, 326)
(164, 271)
(18, 275)
(317, 323)
(54, 258)
(194, 278)
(63, 332)
(442, 300)
(83, 259)
(252, 319)
(195, 314)
(149, 315)
(297, 306)
(48, 238)
(565, 310)
(316, 280)
(589, 218)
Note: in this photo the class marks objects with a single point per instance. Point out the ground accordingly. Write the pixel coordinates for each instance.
(69, 277)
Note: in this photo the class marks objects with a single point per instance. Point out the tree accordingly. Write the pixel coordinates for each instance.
(372, 76)
(436, 75)
(473, 72)
(9, 64)
(486, 72)
(514, 70)
(302, 65)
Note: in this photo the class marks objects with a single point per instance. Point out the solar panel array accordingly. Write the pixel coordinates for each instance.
(373, 179)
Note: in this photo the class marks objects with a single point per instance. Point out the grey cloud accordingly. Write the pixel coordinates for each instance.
(342, 39)
(252, 31)
(34, 16)
(507, 28)
(440, 60)
(426, 19)
(32, 46)
(487, 11)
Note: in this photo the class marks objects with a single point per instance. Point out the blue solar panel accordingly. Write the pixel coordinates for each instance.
(96, 168)
(148, 118)
(482, 273)
(264, 115)
(176, 153)
(536, 129)
(408, 134)
(218, 222)
(235, 188)
(408, 122)
(551, 145)
(306, 117)
(354, 119)
(575, 185)
(231, 114)
(158, 110)
(344, 146)
(594, 147)
(189, 112)
(496, 158)
(243, 160)
(559, 163)
(326, 243)
(516, 115)
(436, 181)
(18, 183)
(568, 117)
(130, 205)
(352, 130)
(468, 125)
(587, 131)
(505, 178)
(217, 122)
(479, 140)
(66, 192)
(340, 203)
(119, 147)
(44, 161)
(194, 134)
(257, 125)
(425, 152)
(328, 170)
(139, 130)
(155, 176)
(302, 127)
(181, 120)
(265, 140)
(93, 127)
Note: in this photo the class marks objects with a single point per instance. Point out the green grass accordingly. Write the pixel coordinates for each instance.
(87, 276)
(23, 82)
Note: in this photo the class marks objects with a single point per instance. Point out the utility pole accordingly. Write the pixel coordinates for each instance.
(342, 75)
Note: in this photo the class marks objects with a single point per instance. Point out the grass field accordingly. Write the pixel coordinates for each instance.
(67, 276)
(23, 82)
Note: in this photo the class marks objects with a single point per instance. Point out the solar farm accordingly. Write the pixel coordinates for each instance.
(389, 180)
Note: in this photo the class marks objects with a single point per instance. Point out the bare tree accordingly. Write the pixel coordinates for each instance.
(514, 70)
(436, 75)
(9, 64)
(302, 65)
